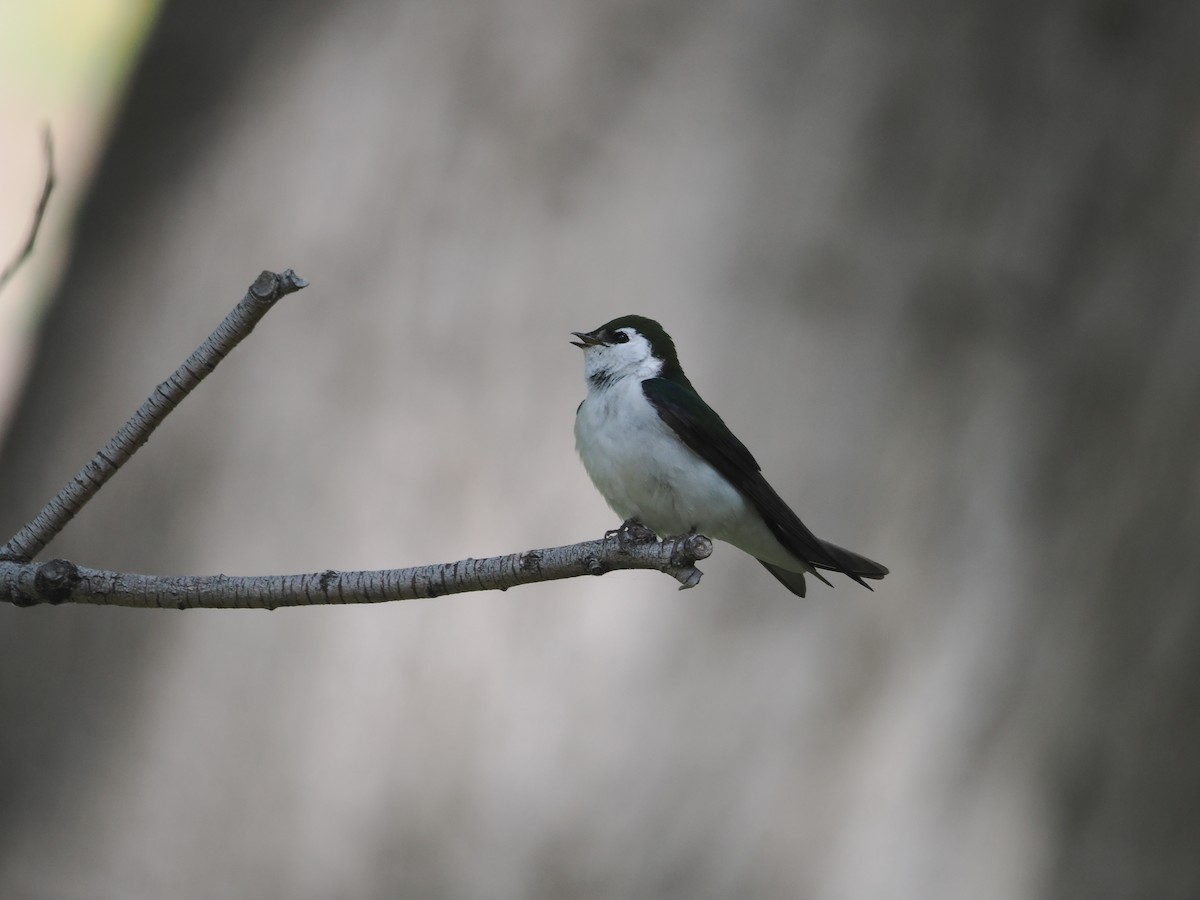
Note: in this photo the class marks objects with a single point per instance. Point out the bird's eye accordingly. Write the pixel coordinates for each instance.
(621, 337)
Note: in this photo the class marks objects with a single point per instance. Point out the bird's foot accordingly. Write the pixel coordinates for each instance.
(631, 533)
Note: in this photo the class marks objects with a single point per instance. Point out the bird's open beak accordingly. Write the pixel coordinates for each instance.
(587, 339)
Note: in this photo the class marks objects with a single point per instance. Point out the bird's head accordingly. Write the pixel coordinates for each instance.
(628, 346)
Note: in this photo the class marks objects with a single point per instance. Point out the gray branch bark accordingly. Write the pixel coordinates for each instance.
(61, 581)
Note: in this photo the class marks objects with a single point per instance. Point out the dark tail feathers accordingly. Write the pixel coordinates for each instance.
(850, 563)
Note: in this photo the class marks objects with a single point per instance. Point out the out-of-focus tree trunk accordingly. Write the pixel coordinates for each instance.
(937, 264)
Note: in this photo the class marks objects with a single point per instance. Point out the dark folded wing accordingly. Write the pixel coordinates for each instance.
(702, 430)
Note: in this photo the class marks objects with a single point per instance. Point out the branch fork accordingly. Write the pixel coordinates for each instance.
(24, 582)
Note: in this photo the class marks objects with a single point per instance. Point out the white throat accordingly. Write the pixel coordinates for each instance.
(606, 364)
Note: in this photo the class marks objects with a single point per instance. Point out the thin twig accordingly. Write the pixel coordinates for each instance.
(261, 296)
(61, 581)
(38, 213)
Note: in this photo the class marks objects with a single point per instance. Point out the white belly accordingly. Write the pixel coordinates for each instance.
(646, 473)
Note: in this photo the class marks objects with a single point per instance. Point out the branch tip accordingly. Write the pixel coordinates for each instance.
(39, 211)
(270, 286)
(293, 280)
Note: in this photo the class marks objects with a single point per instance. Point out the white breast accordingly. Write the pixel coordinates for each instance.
(645, 472)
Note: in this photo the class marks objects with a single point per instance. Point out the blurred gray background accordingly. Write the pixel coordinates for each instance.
(937, 263)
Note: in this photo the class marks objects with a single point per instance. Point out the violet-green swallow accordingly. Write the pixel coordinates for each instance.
(662, 458)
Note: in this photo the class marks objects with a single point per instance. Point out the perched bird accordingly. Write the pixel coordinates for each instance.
(663, 459)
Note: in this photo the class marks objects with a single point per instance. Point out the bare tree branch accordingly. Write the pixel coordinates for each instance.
(38, 213)
(61, 581)
(25, 583)
(260, 297)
